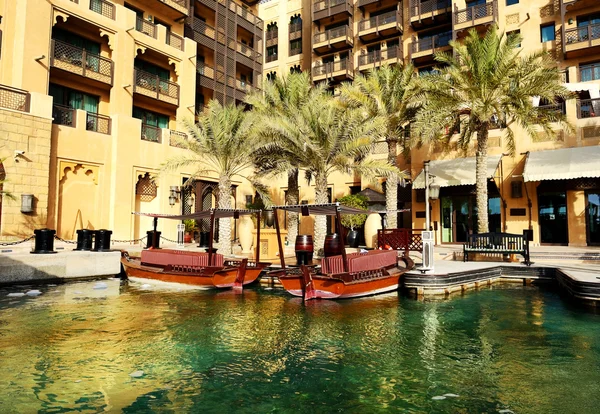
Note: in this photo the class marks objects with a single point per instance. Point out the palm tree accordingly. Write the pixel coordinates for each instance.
(325, 137)
(221, 144)
(486, 83)
(386, 92)
(280, 97)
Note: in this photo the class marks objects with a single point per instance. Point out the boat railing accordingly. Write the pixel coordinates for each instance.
(400, 239)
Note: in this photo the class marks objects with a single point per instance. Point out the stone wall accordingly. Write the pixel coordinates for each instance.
(25, 174)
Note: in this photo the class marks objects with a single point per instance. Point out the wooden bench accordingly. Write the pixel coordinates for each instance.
(503, 243)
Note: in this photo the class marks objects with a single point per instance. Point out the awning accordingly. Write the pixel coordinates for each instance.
(218, 212)
(593, 89)
(458, 171)
(562, 164)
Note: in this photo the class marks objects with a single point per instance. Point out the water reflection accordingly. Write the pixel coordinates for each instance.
(75, 346)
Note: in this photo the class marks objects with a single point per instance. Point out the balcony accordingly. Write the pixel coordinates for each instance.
(176, 138)
(574, 5)
(588, 108)
(272, 37)
(428, 13)
(324, 9)
(63, 115)
(15, 99)
(334, 39)
(174, 40)
(377, 58)
(103, 7)
(201, 32)
(173, 9)
(295, 31)
(75, 60)
(582, 41)
(151, 133)
(250, 22)
(424, 49)
(384, 25)
(478, 15)
(245, 54)
(205, 76)
(146, 27)
(154, 87)
(67, 116)
(334, 71)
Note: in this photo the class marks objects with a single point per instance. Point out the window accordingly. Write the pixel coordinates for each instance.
(75, 56)
(66, 99)
(243, 80)
(295, 69)
(547, 32)
(151, 123)
(295, 47)
(514, 32)
(271, 53)
(296, 19)
(589, 72)
(271, 76)
(511, 2)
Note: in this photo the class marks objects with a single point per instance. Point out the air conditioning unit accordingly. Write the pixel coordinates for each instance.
(427, 238)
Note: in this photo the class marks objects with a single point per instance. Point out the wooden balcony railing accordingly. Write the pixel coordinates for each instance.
(201, 27)
(179, 5)
(244, 13)
(323, 4)
(103, 7)
(175, 138)
(555, 107)
(243, 85)
(63, 115)
(418, 7)
(146, 27)
(295, 31)
(272, 34)
(151, 133)
(295, 51)
(583, 34)
(97, 123)
(588, 108)
(153, 86)
(204, 70)
(174, 40)
(431, 43)
(77, 60)
(15, 99)
(479, 11)
(343, 31)
(328, 8)
(378, 56)
(381, 20)
(331, 67)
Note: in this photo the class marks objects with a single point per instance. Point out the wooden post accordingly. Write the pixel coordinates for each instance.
(211, 233)
(281, 259)
(257, 245)
(338, 222)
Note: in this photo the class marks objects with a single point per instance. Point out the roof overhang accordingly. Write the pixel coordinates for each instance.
(563, 164)
(457, 171)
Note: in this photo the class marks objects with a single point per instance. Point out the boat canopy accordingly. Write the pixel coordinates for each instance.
(218, 213)
(328, 209)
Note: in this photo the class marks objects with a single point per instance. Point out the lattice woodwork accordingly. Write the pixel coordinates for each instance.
(590, 132)
(512, 18)
(146, 187)
(12, 98)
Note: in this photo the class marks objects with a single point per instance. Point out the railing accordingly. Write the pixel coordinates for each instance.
(175, 138)
(80, 61)
(15, 99)
(323, 4)
(243, 86)
(343, 31)
(146, 27)
(177, 4)
(431, 43)
(174, 40)
(588, 108)
(589, 72)
(204, 70)
(400, 239)
(247, 51)
(381, 20)
(244, 13)
(583, 34)
(151, 133)
(103, 7)
(556, 107)
(152, 85)
(295, 51)
(63, 115)
(201, 27)
(475, 12)
(97, 123)
(271, 58)
(418, 7)
(295, 31)
(330, 67)
(378, 56)
(272, 34)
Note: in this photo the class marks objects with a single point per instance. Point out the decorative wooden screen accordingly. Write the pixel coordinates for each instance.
(146, 187)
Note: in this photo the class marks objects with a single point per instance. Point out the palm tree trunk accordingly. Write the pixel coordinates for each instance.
(291, 198)
(481, 177)
(224, 223)
(320, 228)
(391, 188)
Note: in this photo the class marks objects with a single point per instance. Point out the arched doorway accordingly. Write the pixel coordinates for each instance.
(77, 199)
(145, 202)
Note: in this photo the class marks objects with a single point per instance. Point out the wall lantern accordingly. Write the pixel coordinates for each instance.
(434, 191)
(173, 195)
(26, 203)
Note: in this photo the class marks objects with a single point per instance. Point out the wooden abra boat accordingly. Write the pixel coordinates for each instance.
(344, 276)
(203, 269)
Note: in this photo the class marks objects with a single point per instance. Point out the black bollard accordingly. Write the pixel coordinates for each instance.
(84, 239)
(153, 242)
(204, 236)
(102, 242)
(44, 241)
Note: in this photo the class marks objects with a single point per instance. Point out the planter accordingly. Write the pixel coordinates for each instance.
(353, 238)
(269, 218)
(245, 227)
(333, 245)
(187, 237)
(372, 224)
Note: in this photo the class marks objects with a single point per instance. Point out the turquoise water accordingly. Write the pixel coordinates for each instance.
(89, 347)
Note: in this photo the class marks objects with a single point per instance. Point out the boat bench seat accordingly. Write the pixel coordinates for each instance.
(357, 262)
(165, 257)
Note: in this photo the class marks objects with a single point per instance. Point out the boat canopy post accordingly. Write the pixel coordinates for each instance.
(257, 244)
(281, 259)
(210, 236)
(338, 225)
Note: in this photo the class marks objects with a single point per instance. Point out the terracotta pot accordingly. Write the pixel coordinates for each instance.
(372, 224)
(245, 227)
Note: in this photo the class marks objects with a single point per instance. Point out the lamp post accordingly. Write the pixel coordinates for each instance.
(432, 191)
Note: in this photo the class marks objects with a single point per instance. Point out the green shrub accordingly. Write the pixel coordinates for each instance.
(357, 201)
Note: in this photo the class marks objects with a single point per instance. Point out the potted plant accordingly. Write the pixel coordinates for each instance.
(190, 228)
(351, 221)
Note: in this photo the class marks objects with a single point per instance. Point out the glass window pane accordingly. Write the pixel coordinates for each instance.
(547, 33)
